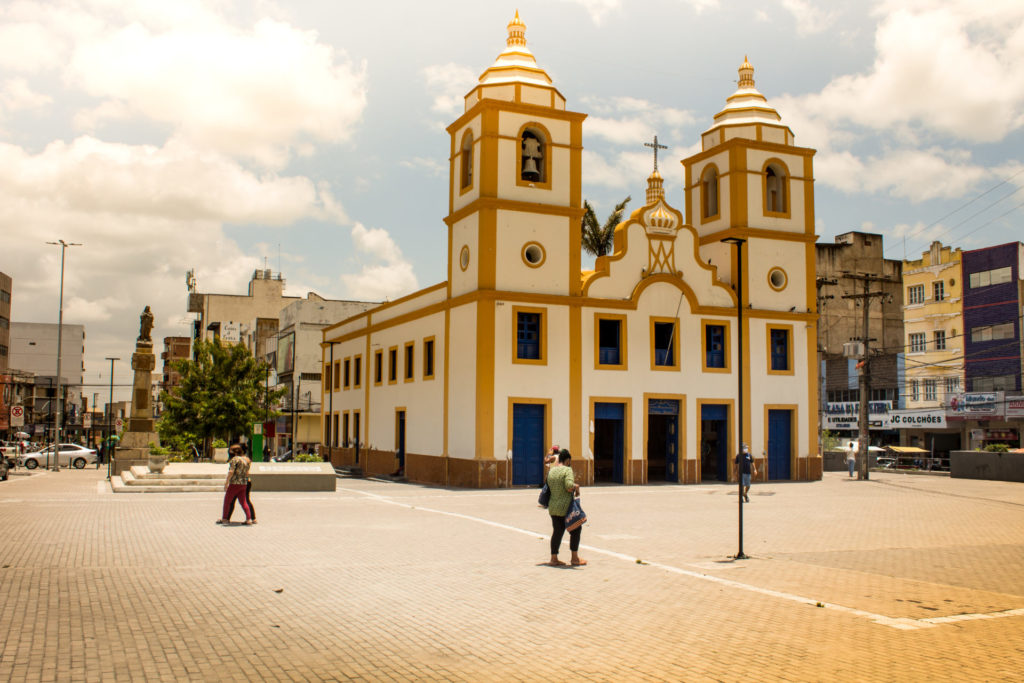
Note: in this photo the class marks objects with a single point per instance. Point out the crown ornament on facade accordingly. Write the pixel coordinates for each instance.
(516, 32)
(746, 74)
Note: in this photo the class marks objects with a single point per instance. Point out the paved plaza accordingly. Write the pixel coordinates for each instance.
(900, 578)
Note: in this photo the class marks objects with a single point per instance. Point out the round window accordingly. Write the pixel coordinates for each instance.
(533, 254)
(777, 278)
(464, 258)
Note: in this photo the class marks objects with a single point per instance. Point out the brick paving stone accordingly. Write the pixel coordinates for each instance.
(386, 581)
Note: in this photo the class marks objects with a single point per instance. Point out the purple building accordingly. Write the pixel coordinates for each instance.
(993, 289)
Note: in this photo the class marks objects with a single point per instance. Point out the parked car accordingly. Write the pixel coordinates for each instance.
(887, 463)
(70, 454)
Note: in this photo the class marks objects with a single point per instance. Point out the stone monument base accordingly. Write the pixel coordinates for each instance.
(133, 450)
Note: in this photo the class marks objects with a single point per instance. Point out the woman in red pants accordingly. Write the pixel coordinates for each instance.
(234, 485)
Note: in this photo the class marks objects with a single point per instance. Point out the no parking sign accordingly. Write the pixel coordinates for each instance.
(17, 416)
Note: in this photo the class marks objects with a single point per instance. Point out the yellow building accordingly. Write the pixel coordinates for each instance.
(933, 324)
(633, 366)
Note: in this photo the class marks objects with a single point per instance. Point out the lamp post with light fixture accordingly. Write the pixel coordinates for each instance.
(60, 338)
(738, 242)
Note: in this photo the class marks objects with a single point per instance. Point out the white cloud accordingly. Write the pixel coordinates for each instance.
(632, 121)
(433, 167)
(16, 94)
(914, 174)
(173, 182)
(257, 94)
(449, 84)
(377, 281)
(809, 18)
(597, 9)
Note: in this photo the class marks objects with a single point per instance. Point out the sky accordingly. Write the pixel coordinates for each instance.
(308, 136)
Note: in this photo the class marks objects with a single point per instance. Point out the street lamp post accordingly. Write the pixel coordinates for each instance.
(60, 334)
(738, 243)
(110, 410)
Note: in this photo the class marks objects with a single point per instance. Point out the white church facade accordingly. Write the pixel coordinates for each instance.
(634, 366)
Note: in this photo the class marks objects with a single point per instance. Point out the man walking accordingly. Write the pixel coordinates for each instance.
(746, 465)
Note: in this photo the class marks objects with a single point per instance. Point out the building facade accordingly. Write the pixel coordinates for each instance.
(841, 321)
(934, 343)
(634, 366)
(6, 287)
(992, 407)
(34, 350)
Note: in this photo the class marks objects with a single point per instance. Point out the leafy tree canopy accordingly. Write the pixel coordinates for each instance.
(598, 239)
(222, 392)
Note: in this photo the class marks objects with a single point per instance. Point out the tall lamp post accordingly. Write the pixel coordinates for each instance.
(110, 410)
(738, 243)
(60, 338)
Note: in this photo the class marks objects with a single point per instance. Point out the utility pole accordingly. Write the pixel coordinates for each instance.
(822, 300)
(864, 301)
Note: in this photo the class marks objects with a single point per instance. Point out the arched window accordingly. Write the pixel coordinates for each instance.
(533, 152)
(466, 160)
(775, 189)
(709, 193)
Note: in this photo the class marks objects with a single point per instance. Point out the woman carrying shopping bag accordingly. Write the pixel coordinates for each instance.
(563, 489)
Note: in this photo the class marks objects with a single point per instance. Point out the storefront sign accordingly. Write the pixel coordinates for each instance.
(978, 405)
(231, 332)
(1015, 406)
(845, 415)
(918, 419)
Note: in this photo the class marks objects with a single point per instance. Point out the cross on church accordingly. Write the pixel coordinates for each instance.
(656, 147)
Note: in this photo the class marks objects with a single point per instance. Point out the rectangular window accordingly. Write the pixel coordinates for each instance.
(939, 290)
(778, 341)
(915, 294)
(997, 383)
(940, 340)
(716, 352)
(327, 377)
(915, 390)
(930, 386)
(997, 276)
(357, 372)
(378, 367)
(344, 430)
(409, 352)
(334, 432)
(428, 358)
(530, 330)
(345, 374)
(663, 340)
(952, 385)
(610, 341)
(917, 342)
(992, 332)
(337, 374)
(392, 365)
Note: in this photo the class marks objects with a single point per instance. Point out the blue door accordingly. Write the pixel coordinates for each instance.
(780, 443)
(527, 443)
(609, 442)
(714, 441)
(662, 440)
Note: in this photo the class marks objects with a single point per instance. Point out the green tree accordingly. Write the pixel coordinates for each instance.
(221, 394)
(597, 239)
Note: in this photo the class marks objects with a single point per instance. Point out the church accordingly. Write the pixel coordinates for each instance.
(695, 334)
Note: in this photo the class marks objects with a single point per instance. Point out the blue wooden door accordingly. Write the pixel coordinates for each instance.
(780, 443)
(527, 443)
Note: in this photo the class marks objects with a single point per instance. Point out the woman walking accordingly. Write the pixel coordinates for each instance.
(234, 485)
(563, 488)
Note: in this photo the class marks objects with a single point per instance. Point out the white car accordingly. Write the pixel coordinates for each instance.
(70, 454)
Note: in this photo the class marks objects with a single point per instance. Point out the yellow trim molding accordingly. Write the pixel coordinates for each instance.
(623, 363)
(727, 337)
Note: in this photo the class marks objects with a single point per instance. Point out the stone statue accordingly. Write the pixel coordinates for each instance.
(145, 325)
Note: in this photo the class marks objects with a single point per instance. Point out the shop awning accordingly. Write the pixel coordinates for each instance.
(906, 449)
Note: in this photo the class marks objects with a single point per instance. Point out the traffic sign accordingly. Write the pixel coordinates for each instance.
(118, 423)
(17, 416)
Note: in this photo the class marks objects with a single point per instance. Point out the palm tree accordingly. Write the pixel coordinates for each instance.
(598, 240)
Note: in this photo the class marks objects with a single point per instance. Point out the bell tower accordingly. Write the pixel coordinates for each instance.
(515, 181)
(750, 180)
